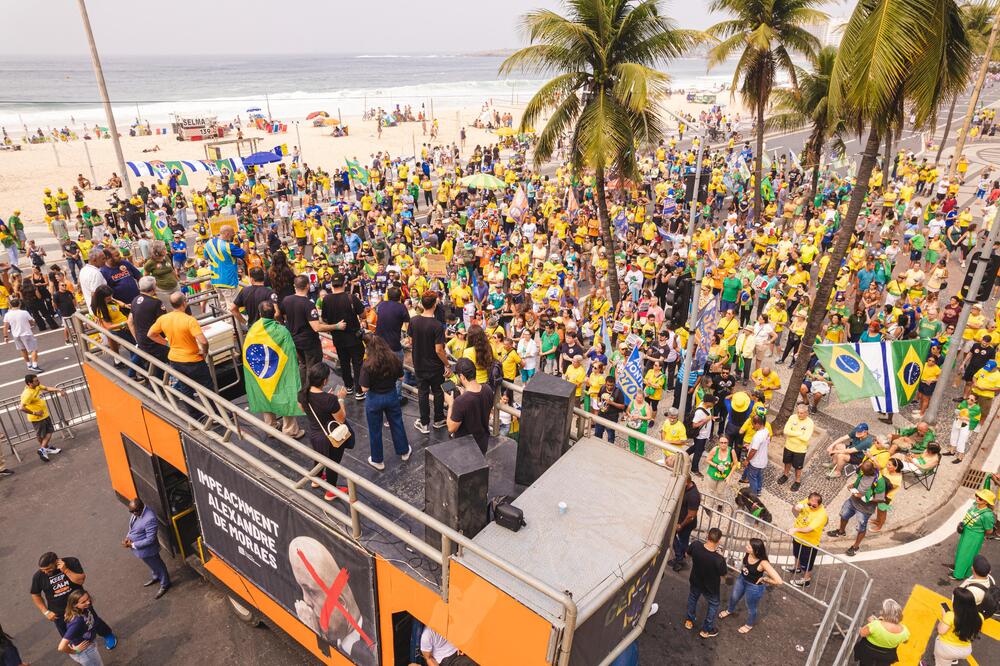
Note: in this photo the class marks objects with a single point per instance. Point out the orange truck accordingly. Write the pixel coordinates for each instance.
(353, 579)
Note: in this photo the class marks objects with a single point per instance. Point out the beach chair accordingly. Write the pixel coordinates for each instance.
(923, 477)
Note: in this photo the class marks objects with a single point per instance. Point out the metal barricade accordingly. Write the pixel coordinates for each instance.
(66, 411)
(838, 588)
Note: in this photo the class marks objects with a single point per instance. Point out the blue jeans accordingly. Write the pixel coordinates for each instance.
(89, 657)
(753, 594)
(406, 376)
(600, 430)
(159, 569)
(713, 607)
(848, 511)
(387, 404)
(756, 477)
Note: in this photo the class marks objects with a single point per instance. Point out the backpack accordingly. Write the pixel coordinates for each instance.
(991, 598)
(495, 376)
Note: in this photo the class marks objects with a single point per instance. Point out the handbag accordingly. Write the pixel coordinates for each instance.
(338, 434)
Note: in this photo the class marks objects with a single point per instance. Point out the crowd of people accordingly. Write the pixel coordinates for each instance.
(463, 292)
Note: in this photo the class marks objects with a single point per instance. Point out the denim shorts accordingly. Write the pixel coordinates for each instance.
(848, 510)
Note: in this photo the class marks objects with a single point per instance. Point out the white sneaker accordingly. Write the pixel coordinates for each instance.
(406, 456)
(52, 450)
(379, 466)
(421, 427)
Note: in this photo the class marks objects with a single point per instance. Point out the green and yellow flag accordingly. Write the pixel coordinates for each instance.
(847, 370)
(270, 369)
(178, 169)
(358, 173)
(161, 228)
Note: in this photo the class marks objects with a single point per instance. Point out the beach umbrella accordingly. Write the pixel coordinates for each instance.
(482, 181)
(506, 131)
(317, 114)
(331, 121)
(263, 157)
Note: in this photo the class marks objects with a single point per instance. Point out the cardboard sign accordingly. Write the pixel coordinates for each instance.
(437, 265)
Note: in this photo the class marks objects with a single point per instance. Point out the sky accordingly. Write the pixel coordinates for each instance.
(196, 27)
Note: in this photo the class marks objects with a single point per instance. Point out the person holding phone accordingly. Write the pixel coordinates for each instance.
(957, 628)
(469, 410)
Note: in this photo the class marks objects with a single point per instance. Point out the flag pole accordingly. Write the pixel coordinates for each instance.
(103, 88)
(930, 416)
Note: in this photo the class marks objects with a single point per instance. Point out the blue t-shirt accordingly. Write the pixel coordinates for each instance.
(222, 256)
(179, 251)
(860, 445)
(81, 628)
(865, 279)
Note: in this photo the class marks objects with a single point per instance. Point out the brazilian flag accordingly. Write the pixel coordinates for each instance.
(358, 173)
(270, 369)
(177, 169)
(848, 372)
(161, 228)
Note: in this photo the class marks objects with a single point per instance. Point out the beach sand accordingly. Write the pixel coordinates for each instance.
(24, 174)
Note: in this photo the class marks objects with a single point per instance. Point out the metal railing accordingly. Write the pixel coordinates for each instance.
(217, 419)
(68, 410)
(839, 588)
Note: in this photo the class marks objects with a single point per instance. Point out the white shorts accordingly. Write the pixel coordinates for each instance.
(819, 388)
(26, 343)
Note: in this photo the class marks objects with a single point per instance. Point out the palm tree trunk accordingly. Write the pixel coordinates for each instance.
(758, 172)
(609, 238)
(947, 128)
(887, 157)
(817, 312)
(811, 155)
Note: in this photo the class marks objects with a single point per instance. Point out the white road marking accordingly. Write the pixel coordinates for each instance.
(42, 374)
(41, 353)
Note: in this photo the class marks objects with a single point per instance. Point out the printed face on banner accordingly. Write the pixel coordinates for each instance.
(316, 574)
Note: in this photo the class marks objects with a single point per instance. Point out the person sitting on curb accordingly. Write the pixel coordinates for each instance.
(867, 491)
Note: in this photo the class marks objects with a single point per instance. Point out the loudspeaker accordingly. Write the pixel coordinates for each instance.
(546, 415)
(456, 481)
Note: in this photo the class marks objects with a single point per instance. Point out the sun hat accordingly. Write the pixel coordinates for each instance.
(740, 401)
(987, 496)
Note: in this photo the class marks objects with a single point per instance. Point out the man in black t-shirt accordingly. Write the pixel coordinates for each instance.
(688, 521)
(392, 315)
(570, 348)
(302, 320)
(50, 587)
(145, 309)
(724, 385)
(250, 298)
(345, 310)
(429, 362)
(469, 412)
(610, 404)
(707, 569)
(979, 354)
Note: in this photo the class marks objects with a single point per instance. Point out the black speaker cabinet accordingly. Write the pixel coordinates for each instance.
(546, 415)
(456, 482)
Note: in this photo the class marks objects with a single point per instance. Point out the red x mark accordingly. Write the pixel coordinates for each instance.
(332, 598)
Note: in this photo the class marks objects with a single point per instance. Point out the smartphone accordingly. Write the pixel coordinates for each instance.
(448, 387)
(944, 605)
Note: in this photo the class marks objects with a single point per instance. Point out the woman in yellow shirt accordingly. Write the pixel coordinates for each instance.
(107, 312)
(594, 385)
(655, 380)
(480, 352)
(957, 628)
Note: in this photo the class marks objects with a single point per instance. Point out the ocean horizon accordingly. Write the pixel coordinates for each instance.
(56, 91)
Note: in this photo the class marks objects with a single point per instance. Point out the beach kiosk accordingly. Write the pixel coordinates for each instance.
(353, 579)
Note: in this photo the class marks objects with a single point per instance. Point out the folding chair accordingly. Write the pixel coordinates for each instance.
(924, 477)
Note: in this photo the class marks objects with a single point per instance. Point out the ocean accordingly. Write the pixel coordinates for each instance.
(54, 92)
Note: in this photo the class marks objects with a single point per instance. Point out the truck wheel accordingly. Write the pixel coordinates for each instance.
(243, 612)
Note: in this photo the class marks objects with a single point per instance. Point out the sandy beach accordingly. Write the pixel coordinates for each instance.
(24, 174)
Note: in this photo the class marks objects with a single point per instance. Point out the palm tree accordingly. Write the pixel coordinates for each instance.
(808, 106)
(765, 34)
(978, 20)
(915, 51)
(606, 88)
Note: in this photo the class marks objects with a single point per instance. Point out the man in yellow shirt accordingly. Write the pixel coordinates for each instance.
(576, 373)
(766, 381)
(798, 431)
(810, 520)
(34, 406)
(985, 384)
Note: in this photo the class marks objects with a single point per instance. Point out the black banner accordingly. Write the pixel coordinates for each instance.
(316, 574)
(602, 631)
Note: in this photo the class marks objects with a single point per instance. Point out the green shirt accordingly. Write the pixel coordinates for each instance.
(881, 637)
(731, 288)
(929, 328)
(550, 344)
(918, 242)
(920, 445)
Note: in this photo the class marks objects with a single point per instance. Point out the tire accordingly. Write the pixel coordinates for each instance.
(243, 613)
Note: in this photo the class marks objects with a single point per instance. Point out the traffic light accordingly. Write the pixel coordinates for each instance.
(706, 176)
(678, 305)
(989, 277)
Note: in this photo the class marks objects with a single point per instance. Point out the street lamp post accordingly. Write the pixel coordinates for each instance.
(103, 88)
(986, 251)
(688, 361)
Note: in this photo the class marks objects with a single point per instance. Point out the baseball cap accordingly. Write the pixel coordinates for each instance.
(860, 428)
